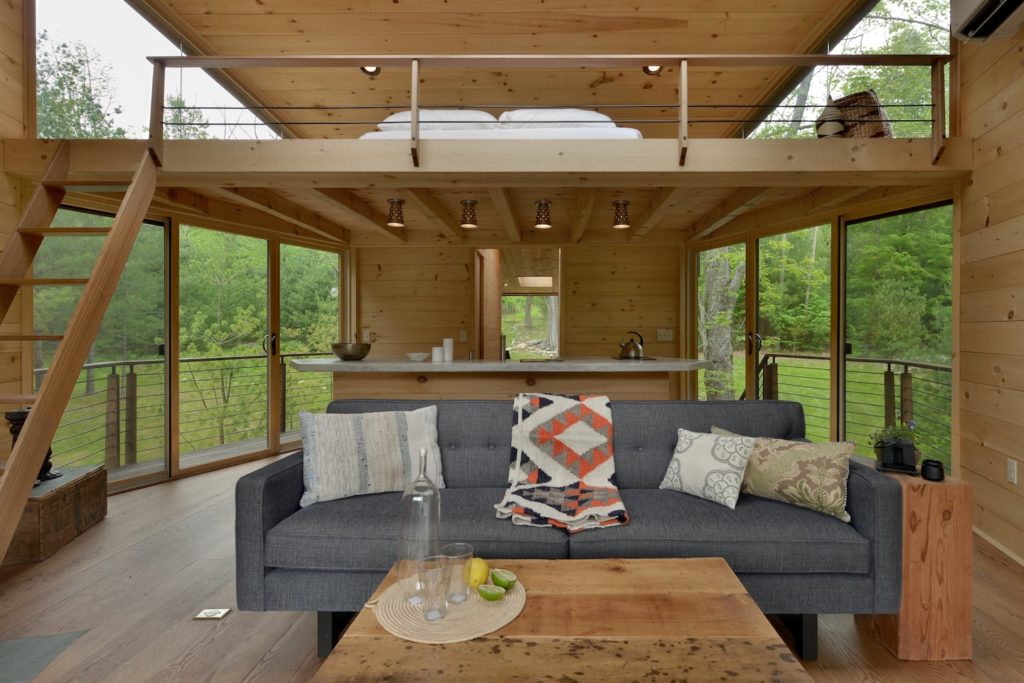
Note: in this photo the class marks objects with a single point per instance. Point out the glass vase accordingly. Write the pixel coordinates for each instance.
(418, 529)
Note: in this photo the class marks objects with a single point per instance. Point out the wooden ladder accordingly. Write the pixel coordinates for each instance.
(59, 383)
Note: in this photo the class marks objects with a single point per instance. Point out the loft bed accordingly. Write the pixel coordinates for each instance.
(336, 189)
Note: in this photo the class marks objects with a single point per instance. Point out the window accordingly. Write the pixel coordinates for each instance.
(529, 302)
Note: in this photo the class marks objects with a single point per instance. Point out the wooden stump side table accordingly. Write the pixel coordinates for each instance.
(934, 621)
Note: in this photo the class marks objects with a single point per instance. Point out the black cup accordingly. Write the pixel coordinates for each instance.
(932, 470)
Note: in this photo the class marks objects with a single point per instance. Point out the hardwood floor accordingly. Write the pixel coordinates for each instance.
(135, 581)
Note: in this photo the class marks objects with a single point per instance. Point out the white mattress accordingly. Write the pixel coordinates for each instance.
(511, 134)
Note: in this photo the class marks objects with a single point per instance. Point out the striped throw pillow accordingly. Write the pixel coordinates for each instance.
(351, 455)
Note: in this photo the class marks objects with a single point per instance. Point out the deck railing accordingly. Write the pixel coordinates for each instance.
(117, 414)
(417, 63)
(879, 392)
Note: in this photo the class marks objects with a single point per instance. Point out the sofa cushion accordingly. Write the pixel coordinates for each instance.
(759, 536)
(360, 533)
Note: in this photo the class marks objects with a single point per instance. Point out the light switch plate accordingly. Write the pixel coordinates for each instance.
(367, 335)
(463, 336)
(664, 334)
(1011, 471)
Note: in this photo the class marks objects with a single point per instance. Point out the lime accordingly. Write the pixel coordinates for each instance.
(491, 593)
(503, 578)
(478, 572)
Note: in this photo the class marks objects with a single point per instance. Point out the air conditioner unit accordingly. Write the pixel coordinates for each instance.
(981, 19)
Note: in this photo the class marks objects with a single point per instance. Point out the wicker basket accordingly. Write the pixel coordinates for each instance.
(864, 116)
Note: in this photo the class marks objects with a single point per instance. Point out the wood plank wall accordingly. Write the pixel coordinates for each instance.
(991, 280)
(609, 291)
(12, 125)
(412, 298)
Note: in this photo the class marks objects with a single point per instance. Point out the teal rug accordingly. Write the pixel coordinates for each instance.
(23, 659)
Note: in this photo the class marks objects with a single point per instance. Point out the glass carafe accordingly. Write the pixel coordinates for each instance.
(418, 528)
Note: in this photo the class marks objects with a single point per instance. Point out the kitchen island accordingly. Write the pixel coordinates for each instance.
(649, 379)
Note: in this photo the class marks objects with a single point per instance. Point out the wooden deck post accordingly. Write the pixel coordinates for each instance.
(906, 396)
(156, 115)
(938, 110)
(890, 396)
(131, 416)
(414, 113)
(112, 447)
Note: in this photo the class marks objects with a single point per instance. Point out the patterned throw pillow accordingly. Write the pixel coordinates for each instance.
(349, 455)
(708, 466)
(810, 475)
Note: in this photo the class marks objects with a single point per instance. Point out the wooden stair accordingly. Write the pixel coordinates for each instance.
(59, 382)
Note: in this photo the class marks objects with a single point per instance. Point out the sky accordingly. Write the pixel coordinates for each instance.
(124, 39)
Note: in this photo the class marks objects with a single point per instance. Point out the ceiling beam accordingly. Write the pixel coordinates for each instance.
(177, 198)
(264, 200)
(502, 201)
(734, 206)
(361, 213)
(428, 203)
(582, 212)
(827, 197)
(661, 203)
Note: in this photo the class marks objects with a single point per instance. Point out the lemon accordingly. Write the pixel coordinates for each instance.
(503, 578)
(478, 572)
(491, 593)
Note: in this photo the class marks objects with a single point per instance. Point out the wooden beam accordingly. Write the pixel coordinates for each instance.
(360, 213)
(59, 383)
(428, 202)
(179, 198)
(734, 206)
(827, 197)
(661, 203)
(156, 115)
(21, 248)
(582, 212)
(476, 164)
(502, 201)
(267, 201)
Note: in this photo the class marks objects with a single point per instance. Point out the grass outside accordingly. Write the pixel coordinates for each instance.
(222, 402)
(807, 382)
(528, 341)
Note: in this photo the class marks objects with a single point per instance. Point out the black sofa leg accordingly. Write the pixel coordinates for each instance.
(329, 627)
(804, 629)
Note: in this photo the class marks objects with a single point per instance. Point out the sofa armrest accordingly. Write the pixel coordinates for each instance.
(262, 500)
(875, 504)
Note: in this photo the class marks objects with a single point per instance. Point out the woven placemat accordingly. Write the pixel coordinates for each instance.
(473, 618)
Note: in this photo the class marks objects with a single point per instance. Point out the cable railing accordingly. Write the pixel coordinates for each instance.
(879, 392)
(118, 411)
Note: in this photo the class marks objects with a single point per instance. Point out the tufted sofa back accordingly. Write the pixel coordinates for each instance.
(476, 436)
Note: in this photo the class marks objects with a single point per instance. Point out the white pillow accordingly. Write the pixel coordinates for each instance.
(350, 455)
(441, 119)
(709, 466)
(555, 118)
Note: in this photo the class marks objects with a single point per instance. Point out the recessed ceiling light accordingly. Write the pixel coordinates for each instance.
(652, 70)
(370, 70)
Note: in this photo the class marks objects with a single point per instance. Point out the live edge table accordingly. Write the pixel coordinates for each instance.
(599, 620)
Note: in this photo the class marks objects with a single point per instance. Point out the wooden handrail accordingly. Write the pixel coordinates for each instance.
(417, 62)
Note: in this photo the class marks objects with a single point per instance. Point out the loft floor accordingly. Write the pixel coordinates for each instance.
(134, 581)
(336, 191)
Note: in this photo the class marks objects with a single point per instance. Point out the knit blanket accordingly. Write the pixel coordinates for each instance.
(562, 469)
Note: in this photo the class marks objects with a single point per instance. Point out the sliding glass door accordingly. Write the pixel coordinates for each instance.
(722, 322)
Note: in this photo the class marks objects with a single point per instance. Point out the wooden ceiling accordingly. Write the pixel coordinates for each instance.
(271, 27)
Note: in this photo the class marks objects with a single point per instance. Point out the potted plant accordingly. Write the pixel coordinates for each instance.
(894, 448)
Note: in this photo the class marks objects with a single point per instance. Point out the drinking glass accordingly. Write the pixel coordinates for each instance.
(458, 556)
(433, 573)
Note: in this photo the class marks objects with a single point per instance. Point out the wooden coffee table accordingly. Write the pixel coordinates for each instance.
(611, 620)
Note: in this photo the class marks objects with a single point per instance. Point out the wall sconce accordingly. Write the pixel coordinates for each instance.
(621, 221)
(652, 70)
(396, 217)
(543, 221)
(468, 214)
(370, 70)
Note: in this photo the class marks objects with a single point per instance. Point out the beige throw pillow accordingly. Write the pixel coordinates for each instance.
(354, 454)
(810, 475)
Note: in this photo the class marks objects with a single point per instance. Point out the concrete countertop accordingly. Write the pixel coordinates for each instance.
(328, 364)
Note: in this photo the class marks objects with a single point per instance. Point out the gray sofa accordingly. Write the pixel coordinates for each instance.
(330, 556)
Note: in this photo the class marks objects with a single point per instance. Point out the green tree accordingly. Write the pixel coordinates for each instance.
(75, 92)
(182, 121)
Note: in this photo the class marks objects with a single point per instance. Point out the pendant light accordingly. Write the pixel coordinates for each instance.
(396, 217)
(621, 221)
(469, 214)
(543, 221)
